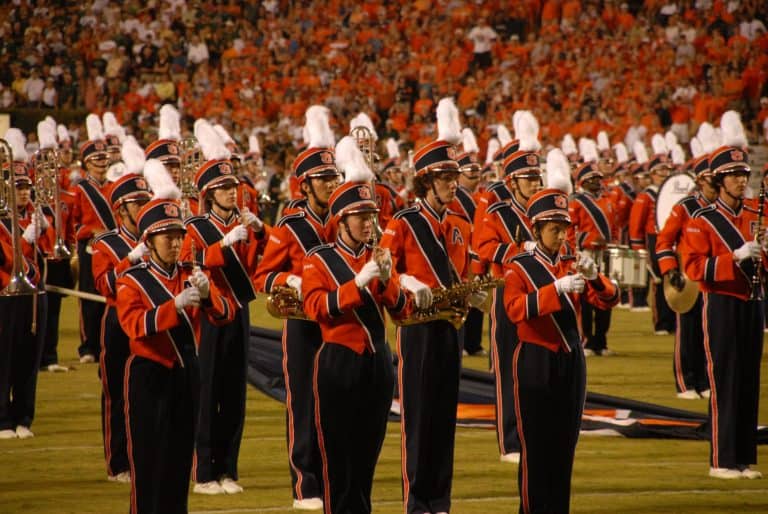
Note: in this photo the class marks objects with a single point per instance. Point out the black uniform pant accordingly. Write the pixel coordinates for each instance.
(733, 342)
(429, 366)
(503, 343)
(58, 273)
(663, 317)
(161, 412)
(689, 363)
(550, 389)
(353, 395)
(222, 361)
(301, 340)
(114, 354)
(473, 331)
(90, 312)
(20, 352)
(594, 325)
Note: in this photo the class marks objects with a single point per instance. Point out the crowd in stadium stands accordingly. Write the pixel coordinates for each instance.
(580, 65)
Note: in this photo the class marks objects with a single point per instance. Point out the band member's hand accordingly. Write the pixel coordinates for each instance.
(190, 297)
(749, 250)
(294, 282)
(477, 299)
(383, 258)
(529, 246)
(587, 267)
(43, 221)
(138, 253)
(676, 279)
(570, 284)
(32, 232)
(253, 221)
(200, 280)
(421, 292)
(239, 233)
(369, 271)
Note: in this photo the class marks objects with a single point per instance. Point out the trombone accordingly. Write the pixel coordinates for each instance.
(191, 159)
(18, 283)
(47, 192)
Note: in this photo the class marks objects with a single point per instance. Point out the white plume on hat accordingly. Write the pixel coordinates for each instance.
(160, 182)
(133, 156)
(94, 128)
(46, 135)
(708, 137)
(393, 149)
(515, 121)
(659, 145)
(630, 137)
(622, 155)
(18, 143)
(351, 162)
(223, 134)
(641, 153)
(170, 123)
(588, 149)
(732, 131)
(469, 142)
(363, 120)
(697, 150)
(558, 171)
(569, 145)
(319, 127)
(603, 143)
(112, 127)
(503, 135)
(211, 144)
(493, 147)
(305, 135)
(253, 144)
(448, 124)
(671, 139)
(678, 155)
(63, 133)
(527, 132)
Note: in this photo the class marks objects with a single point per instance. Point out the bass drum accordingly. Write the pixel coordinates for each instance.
(671, 191)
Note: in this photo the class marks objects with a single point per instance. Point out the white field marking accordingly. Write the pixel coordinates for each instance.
(515, 499)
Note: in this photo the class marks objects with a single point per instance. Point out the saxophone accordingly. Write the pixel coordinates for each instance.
(283, 302)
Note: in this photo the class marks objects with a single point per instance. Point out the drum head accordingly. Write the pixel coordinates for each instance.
(681, 301)
(671, 191)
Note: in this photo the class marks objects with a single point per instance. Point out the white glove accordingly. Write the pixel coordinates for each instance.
(478, 298)
(529, 246)
(138, 253)
(251, 220)
(369, 271)
(570, 284)
(32, 232)
(294, 282)
(200, 280)
(43, 221)
(749, 250)
(239, 233)
(190, 297)
(421, 292)
(588, 267)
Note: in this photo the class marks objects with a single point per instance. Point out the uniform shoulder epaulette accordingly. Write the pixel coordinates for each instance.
(105, 235)
(296, 203)
(458, 215)
(194, 219)
(407, 210)
(750, 209)
(704, 210)
(387, 187)
(567, 257)
(496, 206)
(521, 256)
(320, 248)
(288, 217)
(137, 267)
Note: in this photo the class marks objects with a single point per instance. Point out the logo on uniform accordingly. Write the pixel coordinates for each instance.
(99, 146)
(173, 149)
(225, 169)
(456, 237)
(531, 160)
(364, 192)
(326, 157)
(737, 155)
(561, 202)
(141, 183)
(19, 169)
(451, 153)
(171, 211)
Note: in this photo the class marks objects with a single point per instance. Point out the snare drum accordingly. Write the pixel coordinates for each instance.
(626, 266)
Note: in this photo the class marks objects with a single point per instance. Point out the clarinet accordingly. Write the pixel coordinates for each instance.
(756, 290)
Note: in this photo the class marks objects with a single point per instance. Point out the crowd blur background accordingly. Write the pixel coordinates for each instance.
(580, 66)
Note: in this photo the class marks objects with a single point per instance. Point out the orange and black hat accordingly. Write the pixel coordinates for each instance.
(129, 188)
(21, 173)
(548, 205)
(700, 165)
(315, 162)
(728, 159)
(435, 155)
(166, 150)
(92, 149)
(160, 215)
(587, 171)
(214, 174)
(522, 164)
(352, 198)
(469, 161)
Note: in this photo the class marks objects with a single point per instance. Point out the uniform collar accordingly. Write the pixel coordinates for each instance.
(232, 217)
(433, 213)
(127, 234)
(734, 213)
(95, 181)
(312, 214)
(542, 255)
(159, 270)
(349, 251)
(516, 204)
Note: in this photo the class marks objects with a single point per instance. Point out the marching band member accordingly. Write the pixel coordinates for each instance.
(392, 175)
(247, 195)
(166, 147)
(592, 216)
(22, 316)
(114, 252)
(429, 247)
(228, 243)
(643, 232)
(92, 215)
(161, 304)
(689, 364)
(498, 190)
(114, 135)
(289, 241)
(542, 297)
(724, 255)
(502, 234)
(465, 203)
(345, 286)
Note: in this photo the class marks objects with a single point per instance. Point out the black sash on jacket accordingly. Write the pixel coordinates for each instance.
(731, 236)
(596, 213)
(433, 249)
(466, 202)
(305, 233)
(99, 204)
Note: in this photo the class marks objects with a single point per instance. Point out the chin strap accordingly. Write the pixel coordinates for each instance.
(437, 196)
(324, 205)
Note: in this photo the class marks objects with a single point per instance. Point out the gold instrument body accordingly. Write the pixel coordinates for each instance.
(191, 160)
(48, 192)
(284, 303)
(18, 283)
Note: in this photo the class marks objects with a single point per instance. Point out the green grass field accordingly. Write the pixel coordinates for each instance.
(61, 470)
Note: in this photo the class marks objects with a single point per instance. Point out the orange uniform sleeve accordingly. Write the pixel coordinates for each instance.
(700, 262)
(669, 238)
(521, 303)
(139, 321)
(277, 261)
(106, 269)
(638, 217)
(323, 300)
